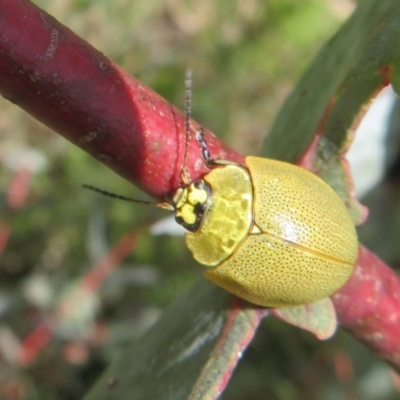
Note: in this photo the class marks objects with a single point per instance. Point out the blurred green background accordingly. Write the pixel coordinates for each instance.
(246, 55)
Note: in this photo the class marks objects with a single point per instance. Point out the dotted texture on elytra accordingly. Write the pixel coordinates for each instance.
(295, 205)
(266, 271)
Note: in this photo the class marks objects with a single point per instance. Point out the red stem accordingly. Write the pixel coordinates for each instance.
(68, 85)
(71, 87)
(369, 306)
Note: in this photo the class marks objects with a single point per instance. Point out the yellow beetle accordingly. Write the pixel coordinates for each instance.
(272, 233)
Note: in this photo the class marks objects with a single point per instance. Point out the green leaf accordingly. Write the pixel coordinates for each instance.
(318, 317)
(335, 92)
(188, 354)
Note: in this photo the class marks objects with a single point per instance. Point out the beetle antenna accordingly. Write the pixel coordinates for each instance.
(188, 113)
(165, 206)
(205, 152)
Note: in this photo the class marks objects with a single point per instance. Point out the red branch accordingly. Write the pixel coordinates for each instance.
(68, 85)
(71, 87)
(369, 306)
